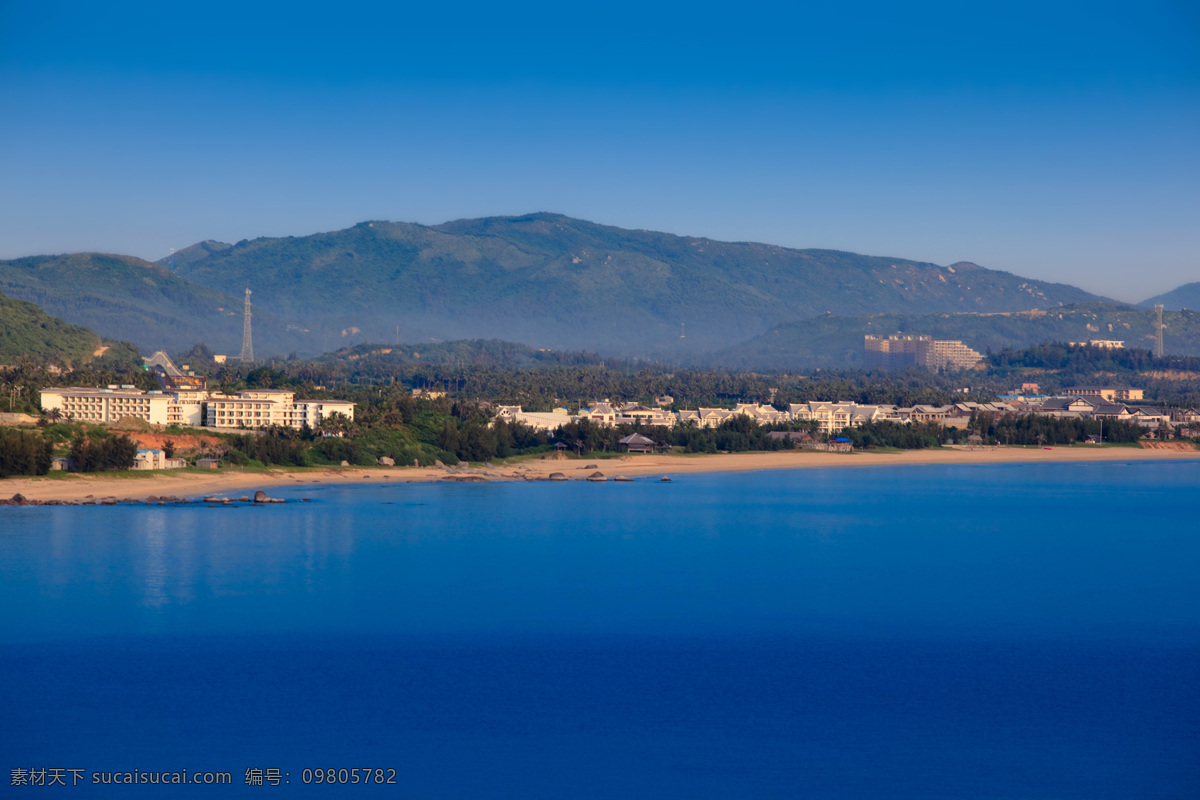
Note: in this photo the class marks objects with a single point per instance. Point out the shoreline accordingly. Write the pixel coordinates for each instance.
(196, 484)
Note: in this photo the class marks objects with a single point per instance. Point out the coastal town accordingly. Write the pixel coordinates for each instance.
(832, 417)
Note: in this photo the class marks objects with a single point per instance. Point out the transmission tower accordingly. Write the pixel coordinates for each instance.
(1158, 329)
(247, 343)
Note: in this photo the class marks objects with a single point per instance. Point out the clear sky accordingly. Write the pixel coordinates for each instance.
(1057, 140)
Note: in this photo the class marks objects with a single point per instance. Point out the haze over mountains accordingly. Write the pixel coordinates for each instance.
(1186, 296)
(545, 280)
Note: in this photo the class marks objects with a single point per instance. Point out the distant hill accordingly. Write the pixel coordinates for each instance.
(463, 353)
(1186, 296)
(555, 282)
(122, 297)
(193, 252)
(832, 341)
(26, 330)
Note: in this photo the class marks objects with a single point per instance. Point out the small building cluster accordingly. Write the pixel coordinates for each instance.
(250, 408)
(1087, 402)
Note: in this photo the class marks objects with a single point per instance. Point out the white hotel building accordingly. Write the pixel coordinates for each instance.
(108, 405)
(252, 408)
(259, 408)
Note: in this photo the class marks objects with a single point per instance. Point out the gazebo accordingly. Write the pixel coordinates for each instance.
(636, 443)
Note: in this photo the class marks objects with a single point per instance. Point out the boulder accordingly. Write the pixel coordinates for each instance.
(384, 461)
(345, 463)
(19, 499)
(557, 476)
(261, 497)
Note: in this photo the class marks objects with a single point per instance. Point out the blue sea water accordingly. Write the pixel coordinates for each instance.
(917, 632)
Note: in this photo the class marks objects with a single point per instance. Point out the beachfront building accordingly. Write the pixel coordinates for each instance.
(252, 408)
(600, 413)
(108, 405)
(762, 414)
(187, 408)
(262, 408)
(538, 420)
(638, 414)
(834, 417)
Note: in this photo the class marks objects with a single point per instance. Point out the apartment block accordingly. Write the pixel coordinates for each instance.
(902, 352)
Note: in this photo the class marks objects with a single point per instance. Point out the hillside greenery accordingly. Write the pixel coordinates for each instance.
(28, 332)
(561, 283)
(125, 298)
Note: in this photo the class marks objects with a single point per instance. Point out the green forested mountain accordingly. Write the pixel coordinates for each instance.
(122, 297)
(1186, 296)
(26, 330)
(555, 282)
(833, 341)
(193, 252)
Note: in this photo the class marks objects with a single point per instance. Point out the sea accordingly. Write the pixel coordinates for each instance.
(983, 631)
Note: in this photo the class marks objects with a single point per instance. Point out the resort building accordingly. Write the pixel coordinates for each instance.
(1110, 393)
(637, 414)
(253, 408)
(538, 420)
(262, 408)
(108, 405)
(902, 352)
(600, 413)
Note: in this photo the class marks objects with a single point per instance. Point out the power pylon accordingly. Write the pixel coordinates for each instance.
(247, 343)
(1158, 329)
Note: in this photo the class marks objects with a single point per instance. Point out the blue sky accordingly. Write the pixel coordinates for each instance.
(1055, 140)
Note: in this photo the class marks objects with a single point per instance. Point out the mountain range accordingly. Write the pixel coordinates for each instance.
(1186, 296)
(545, 280)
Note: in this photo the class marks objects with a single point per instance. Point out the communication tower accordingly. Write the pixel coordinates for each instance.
(247, 344)
(1158, 329)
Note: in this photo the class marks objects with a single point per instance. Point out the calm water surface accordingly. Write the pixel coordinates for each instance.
(984, 631)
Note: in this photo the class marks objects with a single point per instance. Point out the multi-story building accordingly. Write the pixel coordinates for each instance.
(635, 413)
(1110, 393)
(253, 408)
(108, 405)
(187, 408)
(262, 408)
(901, 352)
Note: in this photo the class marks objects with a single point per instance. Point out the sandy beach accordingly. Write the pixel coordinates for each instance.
(233, 482)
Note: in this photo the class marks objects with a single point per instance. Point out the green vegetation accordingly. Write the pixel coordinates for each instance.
(23, 453)
(28, 332)
(122, 297)
(101, 451)
(1040, 430)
